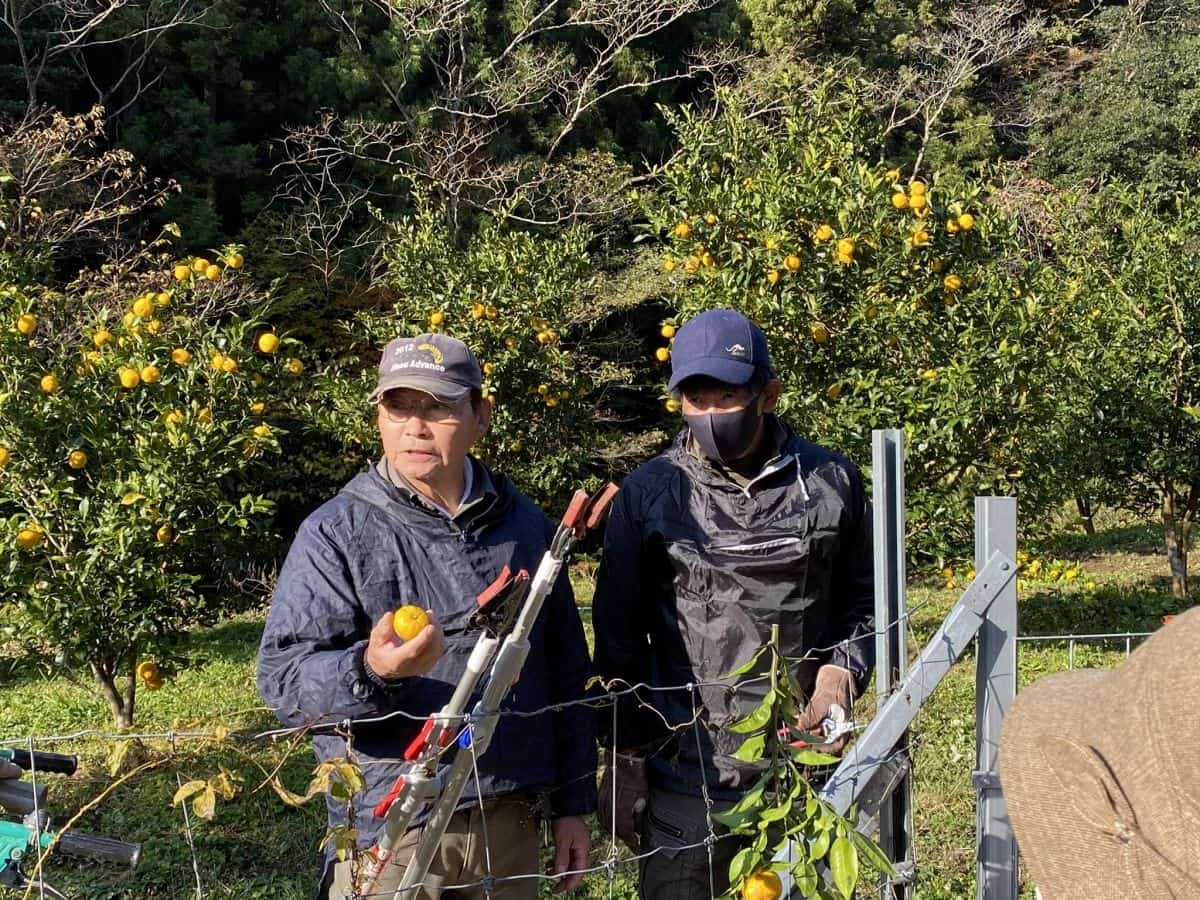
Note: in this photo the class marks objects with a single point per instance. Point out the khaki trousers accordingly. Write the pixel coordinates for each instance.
(461, 861)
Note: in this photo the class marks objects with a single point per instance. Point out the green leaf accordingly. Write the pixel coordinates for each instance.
(742, 865)
(843, 863)
(775, 813)
(752, 799)
(876, 858)
(820, 845)
(807, 757)
(751, 749)
(804, 873)
(746, 666)
(758, 718)
(736, 820)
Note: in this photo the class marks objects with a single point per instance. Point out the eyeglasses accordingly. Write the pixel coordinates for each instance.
(400, 410)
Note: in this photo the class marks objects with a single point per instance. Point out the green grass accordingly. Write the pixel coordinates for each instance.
(258, 847)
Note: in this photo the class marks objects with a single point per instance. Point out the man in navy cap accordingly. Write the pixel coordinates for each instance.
(740, 525)
(432, 526)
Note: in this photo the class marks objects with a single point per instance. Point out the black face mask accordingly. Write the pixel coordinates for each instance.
(727, 436)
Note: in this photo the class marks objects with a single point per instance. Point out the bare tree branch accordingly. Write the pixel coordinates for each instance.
(447, 144)
(45, 31)
(62, 190)
(977, 39)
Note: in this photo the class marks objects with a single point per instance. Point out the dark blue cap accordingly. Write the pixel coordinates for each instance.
(434, 363)
(722, 344)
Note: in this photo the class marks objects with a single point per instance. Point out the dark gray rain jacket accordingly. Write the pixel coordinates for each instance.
(375, 547)
(696, 570)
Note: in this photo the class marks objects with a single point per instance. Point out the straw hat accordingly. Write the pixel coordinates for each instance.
(1101, 774)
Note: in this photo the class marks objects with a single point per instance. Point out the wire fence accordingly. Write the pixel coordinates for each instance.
(1122, 639)
(607, 861)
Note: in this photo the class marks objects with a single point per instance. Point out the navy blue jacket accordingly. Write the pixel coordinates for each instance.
(376, 546)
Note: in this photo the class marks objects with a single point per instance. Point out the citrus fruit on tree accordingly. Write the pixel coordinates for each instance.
(30, 538)
(409, 621)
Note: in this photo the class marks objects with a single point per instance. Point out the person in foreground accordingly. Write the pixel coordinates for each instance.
(431, 526)
(1101, 774)
(740, 525)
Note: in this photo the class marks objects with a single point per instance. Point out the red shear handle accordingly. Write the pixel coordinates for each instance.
(586, 512)
(385, 804)
(493, 590)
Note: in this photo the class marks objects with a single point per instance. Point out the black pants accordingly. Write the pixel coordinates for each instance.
(678, 870)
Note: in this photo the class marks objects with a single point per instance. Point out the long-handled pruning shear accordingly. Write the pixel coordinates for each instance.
(507, 612)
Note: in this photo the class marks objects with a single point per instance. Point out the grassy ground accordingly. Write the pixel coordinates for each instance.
(258, 847)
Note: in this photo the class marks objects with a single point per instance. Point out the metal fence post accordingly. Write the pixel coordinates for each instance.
(995, 687)
(891, 640)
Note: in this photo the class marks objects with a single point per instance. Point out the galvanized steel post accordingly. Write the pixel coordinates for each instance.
(995, 688)
(891, 636)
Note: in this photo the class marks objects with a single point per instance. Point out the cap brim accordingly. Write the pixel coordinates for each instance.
(435, 387)
(730, 371)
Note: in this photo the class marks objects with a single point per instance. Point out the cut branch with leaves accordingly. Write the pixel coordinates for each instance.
(782, 808)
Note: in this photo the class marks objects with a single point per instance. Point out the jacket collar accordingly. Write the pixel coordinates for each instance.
(779, 437)
(480, 494)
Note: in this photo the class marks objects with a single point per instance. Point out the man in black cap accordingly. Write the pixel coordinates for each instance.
(430, 525)
(738, 526)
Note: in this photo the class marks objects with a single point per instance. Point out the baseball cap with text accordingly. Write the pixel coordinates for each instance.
(721, 344)
(441, 366)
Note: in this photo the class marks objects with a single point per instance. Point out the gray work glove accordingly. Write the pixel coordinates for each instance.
(8, 770)
(832, 697)
(629, 773)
